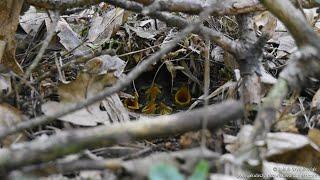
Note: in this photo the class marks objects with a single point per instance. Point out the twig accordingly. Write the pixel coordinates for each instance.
(64, 143)
(121, 83)
(116, 164)
(206, 77)
(45, 44)
(2, 48)
(230, 7)
(304, 64)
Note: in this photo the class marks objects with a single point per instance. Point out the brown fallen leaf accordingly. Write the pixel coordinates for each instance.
(314, 135)
(286, 123)
(10, 116)
(99, 73)
(104, 26)
(316, 100)
(294, 149)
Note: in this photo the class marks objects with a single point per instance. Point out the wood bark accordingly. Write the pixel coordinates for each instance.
(64, 143)
(9, 20)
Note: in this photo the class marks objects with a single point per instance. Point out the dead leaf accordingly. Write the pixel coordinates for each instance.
(285, 41)
(267, 78)
(217, 54)
(286, 123)
(104, 26)
(193, 139)
(68, 38)
(146, 29)
(234, 143)
(100, 72)
(316, 100)
(143, 33)
(31, 20)
(9, 116)
(279, 170)
(105, 64)
(265, 22)
(189, 157)
(5, 82)
(229, 88)
(294, 149)
(314, 135)
(186, 71)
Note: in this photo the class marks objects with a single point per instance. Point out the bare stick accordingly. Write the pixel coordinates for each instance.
(46, 169)
(304, 64)
(230, 7)
(64, 143)
(121, 83)
(216, 36)
(45, 44)
(2, 49)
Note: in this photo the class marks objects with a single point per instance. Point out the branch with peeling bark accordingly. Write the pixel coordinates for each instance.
(249, 62)
(140, 167)
(303, 65)
(64, 143)
(121, 83)
(217, 37)
(230, 7)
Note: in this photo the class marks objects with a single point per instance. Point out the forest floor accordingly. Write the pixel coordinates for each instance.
(94, 47)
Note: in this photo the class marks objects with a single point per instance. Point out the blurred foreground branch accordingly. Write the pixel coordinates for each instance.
(64, 143)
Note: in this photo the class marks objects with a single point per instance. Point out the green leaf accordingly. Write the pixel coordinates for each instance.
(164, 172)
(318, 1)
(201, 171)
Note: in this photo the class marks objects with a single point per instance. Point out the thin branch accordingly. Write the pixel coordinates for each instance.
(249, 62)
(304, 64)
(45, 44)
(121, 83)
(230, 7)
(175, 21)
(294, 20)
(2, 49)
(64, 143)
(303, 58)
(114, 165)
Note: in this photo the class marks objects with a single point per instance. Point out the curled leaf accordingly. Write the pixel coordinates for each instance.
(182, 97)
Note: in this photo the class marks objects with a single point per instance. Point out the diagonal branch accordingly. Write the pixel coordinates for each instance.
(217, 37)
(121, 83)
(304, 65)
